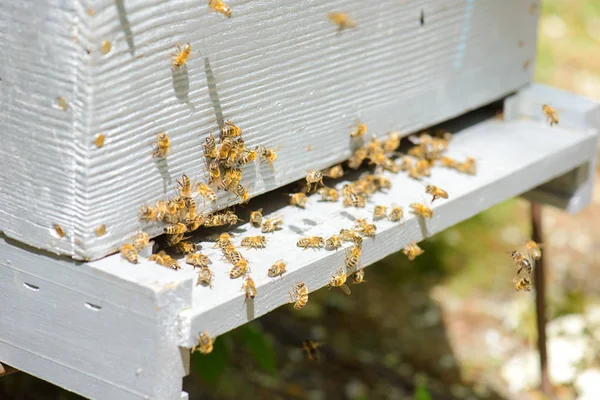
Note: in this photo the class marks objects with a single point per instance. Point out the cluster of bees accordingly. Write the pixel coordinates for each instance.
(525, 263)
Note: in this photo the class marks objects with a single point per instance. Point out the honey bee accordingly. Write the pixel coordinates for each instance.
(256, 218)
(523, 284)
(449, 162)
(210, 147)
(129, 253)
(342, 20)
(356, 160)
(467, 167)
(62, 103)
(392, 142)
(353, 257)
(100, 230)
(185, 186)
(163, 143)
(396, 214)
(359, 131)
(351, 236)
(522, 262)
(272, 225)
(312, 349)
(172, 240)
(365, 228)
(197, 260)
(353, 199)
(421, 210)
(333, 242)
(329, 194)
(205, 191)
(299, 295)
(338, 280)
(314, 177)
(141, 241)
(277, 269)
(420, 169)
(358, 277)
(221, 219)
(266, 154)
(220, 6)
(247, 157)
(406, 164)
(230, 130)
(176, 229)
(225, 148)
(436, 192)
(223, 241)
(180, 58)
(254, 242)
(412, 251)
(239, 269)
(161, 210)
(379, 212)
(232, 255)
(162, 258)
(196, 222)
(205, 276)
(249, 287)
(298, 200)
(335, 172)
(148, 213)
(205, 344)
(534, 250)
(99, 141)
(60, 232)
(242, 193)
(185, 247)
(382, 182)
(551, 114)
(315, 242)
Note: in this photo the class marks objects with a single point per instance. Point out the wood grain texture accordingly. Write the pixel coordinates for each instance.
(280, 70)
(513, 157)
(105, 330)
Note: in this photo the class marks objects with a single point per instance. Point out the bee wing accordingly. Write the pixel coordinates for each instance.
(345, 289)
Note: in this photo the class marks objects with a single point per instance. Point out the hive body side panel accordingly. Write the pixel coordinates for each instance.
(289, 78)
(41, 61)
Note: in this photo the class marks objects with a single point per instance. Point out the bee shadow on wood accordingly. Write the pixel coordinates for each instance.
(125, 25)
(211, 83)
(346, 214)
(249, 303)
(163, 168)
(309, 222)
(423, 226)
(297, 230)
(181, 83)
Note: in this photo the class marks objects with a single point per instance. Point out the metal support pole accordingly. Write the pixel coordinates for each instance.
(540, 299)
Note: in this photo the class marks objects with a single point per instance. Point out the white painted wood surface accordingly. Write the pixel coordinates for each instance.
(281, 71)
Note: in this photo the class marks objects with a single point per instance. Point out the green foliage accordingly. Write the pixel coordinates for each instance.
(421, 393)
(259, 347)
(209, 367)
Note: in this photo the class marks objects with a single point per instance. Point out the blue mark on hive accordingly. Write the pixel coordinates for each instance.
(466, 28)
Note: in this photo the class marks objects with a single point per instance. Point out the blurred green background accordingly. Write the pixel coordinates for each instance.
(435, 325)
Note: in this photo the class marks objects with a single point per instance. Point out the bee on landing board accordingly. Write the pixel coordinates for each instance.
(272, 224)
(436, 192)
(205, 344)
(312, 349)
(256, 218)
(396, 214)
(333, 242)
(379, 212)
(141, 241)
(205, 277)
(314, 242)
(240, 268)
(180, 58)
(198, 260)
(329, 194)
(298, 200)
(314, 177)
(421, 210)
(551, 114)
(129, 253)
(277, 269)
(254, 242)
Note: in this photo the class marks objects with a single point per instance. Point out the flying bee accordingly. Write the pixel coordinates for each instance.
(412, 251)
(141, 241)
(379, 212)
(348, 235)
(358, 276)
(329, 194)
(272, 225)
(205, 276)
(198, 260)
(239, 269)
(247, 157)
(129, 253)
(266, 154)
(256, 218)
(214, 172)
(314, 177)
(333, 242)
(523, 284)
(335, 172)
(210, 147)
(277, 269)
(172, 240)
(314, 242)
(365, 228)
(353, 257)
(436, 192)
(230, 130)
(533, 249)
(522, 262)
(205, 191)
(175, 229)
(312, 349)
(205, 344)
(298, 200)
(148, 213)
(299, 295)
(249, 287)
(163, 143)
(551, 114)
(223, 241)
(254, 242)
(339, 280)
(185, 247)
(396, 214)
(220, 6)
(421, 210)
(342, 20)
(180, 58)
(468, 166)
